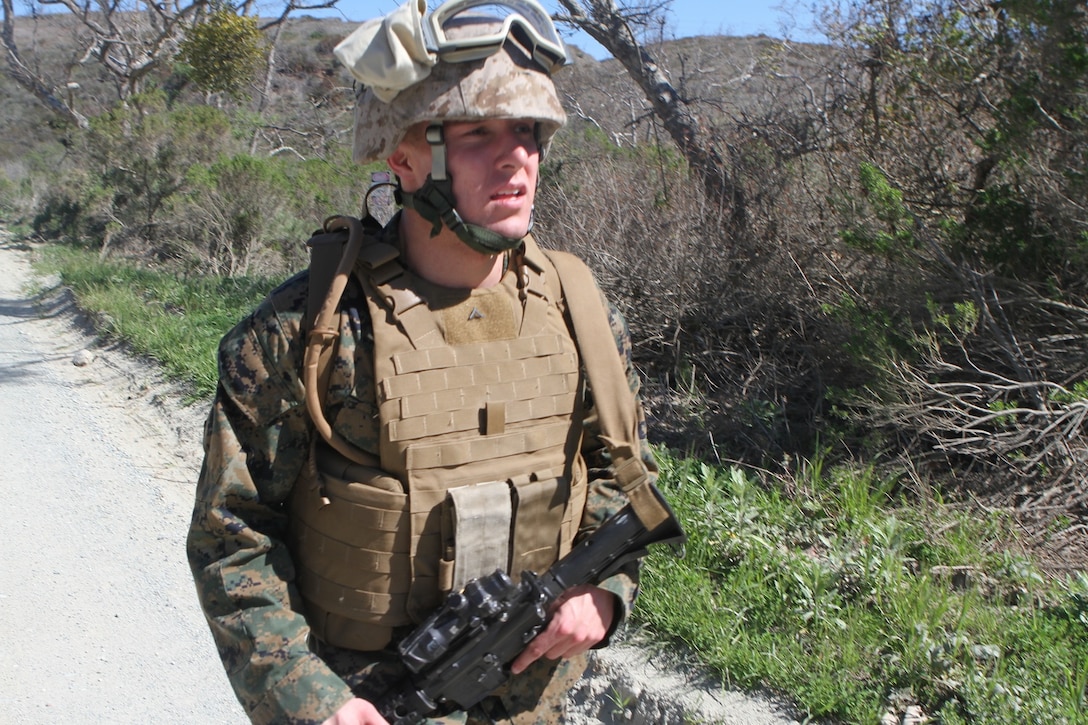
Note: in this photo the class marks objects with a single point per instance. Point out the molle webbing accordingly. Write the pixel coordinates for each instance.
(388, 281)
(498, 412)
(348, 536)
(457, 412)
(526, 379)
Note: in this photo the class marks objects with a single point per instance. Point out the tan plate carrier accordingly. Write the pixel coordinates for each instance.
(379, 556)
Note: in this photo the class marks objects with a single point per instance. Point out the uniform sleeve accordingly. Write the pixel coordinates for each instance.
(606, 497)
(256, 442)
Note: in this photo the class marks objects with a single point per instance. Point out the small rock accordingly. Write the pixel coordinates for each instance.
(83, 358)
(915, 715)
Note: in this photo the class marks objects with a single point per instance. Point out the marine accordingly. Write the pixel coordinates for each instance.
(433, 417)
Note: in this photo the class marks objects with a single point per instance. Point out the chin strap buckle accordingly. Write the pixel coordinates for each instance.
(436, 138)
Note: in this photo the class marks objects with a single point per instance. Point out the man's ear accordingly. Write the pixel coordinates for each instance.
(410, 166)
(399, 162)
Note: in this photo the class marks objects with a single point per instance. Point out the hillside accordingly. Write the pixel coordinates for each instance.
(312, 94)
(748, 339)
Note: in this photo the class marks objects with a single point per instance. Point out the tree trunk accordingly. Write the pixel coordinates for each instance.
(19, 72)
(606, 24)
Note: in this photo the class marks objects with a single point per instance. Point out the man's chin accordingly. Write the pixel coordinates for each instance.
(508, 229)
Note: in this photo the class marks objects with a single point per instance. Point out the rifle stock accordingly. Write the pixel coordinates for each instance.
(462, 652)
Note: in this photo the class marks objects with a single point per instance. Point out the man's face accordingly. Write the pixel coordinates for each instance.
(494, 165)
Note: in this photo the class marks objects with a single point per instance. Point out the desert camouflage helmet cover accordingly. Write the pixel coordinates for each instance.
(405, 84)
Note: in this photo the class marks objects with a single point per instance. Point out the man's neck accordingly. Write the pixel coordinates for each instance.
(444, 259)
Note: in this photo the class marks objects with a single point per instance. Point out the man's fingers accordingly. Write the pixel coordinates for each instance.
(536, 649)
(580, 621)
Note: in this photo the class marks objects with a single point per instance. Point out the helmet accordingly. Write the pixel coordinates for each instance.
(497, 87)
(467, 60)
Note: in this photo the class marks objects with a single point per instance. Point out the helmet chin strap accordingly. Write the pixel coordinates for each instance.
(434, 202)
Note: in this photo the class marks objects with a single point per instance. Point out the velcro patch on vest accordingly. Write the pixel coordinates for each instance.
(479, 318)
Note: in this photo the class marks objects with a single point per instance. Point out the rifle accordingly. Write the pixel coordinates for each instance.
(461, 653)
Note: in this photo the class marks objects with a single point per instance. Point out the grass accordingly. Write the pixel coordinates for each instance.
(852, 599)
(174, 320)
(837, 589)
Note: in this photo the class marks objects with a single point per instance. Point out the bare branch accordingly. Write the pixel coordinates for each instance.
(19, 72)
(603, 21)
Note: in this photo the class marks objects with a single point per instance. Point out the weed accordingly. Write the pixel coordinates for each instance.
(174, 320)
(621, 704)
(843, 597)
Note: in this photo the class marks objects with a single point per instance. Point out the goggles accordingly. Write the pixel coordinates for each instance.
(460, 31)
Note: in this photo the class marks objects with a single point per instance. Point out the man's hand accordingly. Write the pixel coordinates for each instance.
(582, 618)
(357, 712)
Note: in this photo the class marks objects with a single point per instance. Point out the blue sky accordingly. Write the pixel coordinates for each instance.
(686, 18)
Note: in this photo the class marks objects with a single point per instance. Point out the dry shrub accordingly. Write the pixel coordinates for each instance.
(820, 323)
(721, 334)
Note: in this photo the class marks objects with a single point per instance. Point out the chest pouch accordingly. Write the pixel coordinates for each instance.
(513, 525)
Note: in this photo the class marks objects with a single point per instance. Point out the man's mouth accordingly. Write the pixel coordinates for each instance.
(508, 194)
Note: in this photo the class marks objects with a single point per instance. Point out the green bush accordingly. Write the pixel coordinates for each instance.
(75, 211)
(223, 53)
(237, 207)
(128, 172)
(886, 229)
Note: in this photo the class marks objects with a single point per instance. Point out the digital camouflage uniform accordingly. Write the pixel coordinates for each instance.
(257, 440)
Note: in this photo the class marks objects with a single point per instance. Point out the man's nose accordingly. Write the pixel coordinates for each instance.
(516, 149)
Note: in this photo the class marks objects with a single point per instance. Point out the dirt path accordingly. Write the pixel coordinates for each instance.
(100, 622)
